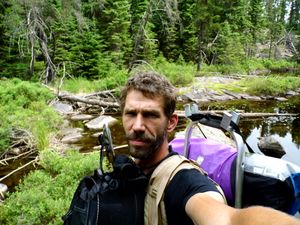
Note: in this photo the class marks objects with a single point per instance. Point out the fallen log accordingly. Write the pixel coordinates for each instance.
(254, 115)
(242, 114)
(88, 101)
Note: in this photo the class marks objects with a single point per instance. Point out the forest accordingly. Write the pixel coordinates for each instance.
(94, 45)
(43, 40)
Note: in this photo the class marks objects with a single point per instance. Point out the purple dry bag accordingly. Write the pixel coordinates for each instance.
(214, 157)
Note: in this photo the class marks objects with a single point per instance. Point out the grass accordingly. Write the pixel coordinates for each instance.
(83, 85)
(45, 194)
(25, 105)
(271, 85)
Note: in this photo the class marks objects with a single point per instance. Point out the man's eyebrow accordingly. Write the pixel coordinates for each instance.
(144, 111)
(151, 112)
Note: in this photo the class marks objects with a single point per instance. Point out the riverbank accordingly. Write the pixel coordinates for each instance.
(219, 88)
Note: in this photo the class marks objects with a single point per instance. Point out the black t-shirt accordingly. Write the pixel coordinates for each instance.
(185, 184)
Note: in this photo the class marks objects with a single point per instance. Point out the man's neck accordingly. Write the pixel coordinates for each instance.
(148, 165)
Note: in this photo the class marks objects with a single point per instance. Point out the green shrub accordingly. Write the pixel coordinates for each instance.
(24, 105)
(116, 79)
(178, 73)
(272, 85)
(276, 64)
(4, 137)
(22, 93)
(45, 194)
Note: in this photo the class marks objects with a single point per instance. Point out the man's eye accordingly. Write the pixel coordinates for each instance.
(130, 113)
(150, 115)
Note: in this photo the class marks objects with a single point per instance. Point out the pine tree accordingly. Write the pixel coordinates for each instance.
(141, 27)
(113, 25)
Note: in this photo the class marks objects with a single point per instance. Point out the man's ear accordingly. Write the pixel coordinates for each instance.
(173, 120)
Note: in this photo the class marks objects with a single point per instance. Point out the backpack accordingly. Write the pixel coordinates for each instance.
(110, 197)
(154, 209)
(267, 181)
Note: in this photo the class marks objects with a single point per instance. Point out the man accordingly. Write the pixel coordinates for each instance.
(148, 103)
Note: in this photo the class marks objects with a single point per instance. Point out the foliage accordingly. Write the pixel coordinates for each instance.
(22, 94)
(45, 194)
(273, 85)
(178, 73)
(24, 105)
(277, 64)
(82, 85)
(4, 137)
(46, 39)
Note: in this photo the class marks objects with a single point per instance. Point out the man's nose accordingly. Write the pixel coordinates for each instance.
(138, 124)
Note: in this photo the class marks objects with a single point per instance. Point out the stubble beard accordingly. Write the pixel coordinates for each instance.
(154, 144)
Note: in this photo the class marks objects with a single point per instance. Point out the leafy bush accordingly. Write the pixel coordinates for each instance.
(275, 64)
(85, 85)
(251, 65)
(22, 93)
(4, 138)
(45, 194)
(178, 73)
(24, 105)
(273, 85)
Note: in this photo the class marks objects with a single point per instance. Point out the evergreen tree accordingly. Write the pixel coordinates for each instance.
(294, 16)
(230, 48)
(256, 18)
(188, 31)
(113, 25)
(276, 26)
(144, 39)
(166, 20)
(87, 57)
(14, 60)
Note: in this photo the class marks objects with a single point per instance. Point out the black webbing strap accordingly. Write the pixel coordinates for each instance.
(215, 122)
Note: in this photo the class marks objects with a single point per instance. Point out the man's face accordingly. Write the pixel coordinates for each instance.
(145, 124)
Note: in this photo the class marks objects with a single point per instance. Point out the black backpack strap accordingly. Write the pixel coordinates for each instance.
(215, 122)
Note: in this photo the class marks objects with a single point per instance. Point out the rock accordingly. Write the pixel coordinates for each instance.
(3, 190)
(249, 97)
(97, 134)
(291, 93)
(260, 72)
(281, 99)
(68, 131)
(71, 135)
(97, 123)
(63, 108)
(235, 95)
(222, 98)
(81, 117)
(271, 147)
(188, 97)
(72, 138)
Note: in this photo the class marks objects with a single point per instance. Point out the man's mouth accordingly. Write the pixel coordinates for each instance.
(137, 142)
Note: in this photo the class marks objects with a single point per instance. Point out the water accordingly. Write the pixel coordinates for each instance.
(285, 130)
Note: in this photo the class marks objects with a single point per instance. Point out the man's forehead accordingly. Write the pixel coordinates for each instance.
(136, 99)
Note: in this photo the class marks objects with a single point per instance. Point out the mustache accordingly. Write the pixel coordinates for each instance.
(138, 136)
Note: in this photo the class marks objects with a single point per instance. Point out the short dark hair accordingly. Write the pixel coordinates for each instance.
(151, 85)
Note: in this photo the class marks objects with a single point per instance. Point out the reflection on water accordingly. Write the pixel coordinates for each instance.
(286, 130)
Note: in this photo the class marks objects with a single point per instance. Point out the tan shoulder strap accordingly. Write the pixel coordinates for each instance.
(154, 210)
(154, 207)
